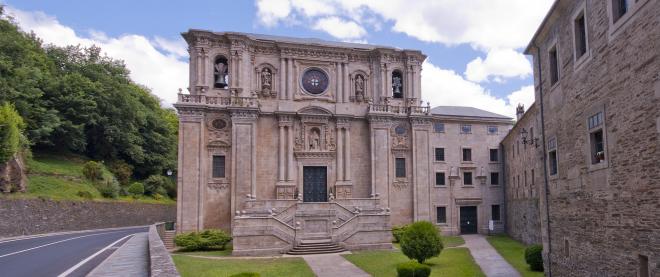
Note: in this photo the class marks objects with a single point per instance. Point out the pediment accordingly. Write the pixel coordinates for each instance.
(217, 144)
(314, 110)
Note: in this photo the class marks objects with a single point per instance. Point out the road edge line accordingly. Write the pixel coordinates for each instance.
(81, 263)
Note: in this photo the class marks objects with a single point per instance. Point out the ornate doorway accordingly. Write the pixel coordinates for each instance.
(315, 186)
(469, 220)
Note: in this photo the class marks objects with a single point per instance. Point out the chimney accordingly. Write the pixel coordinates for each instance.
(520, 110)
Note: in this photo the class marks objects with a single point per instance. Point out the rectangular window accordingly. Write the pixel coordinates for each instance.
(644, 266)
(439, 178)
(494, 178)
(439, 127)
(439, 154)
(466, 129)
(596, 139)
(400, 167)
(492, 130)
(440, 215)
(567, 248)
(533, 185)
(553, 162)
(495, 212)
(494, 155)
(619, 9)
(580, 36)
(467, 154)
(467, 178)
(218, 166)
(554, 65)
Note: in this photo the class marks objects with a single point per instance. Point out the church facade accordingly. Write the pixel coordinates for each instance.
(283, 140)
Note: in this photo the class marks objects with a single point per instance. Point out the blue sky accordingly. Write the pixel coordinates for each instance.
(474, 49)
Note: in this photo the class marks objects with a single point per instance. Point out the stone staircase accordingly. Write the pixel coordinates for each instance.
(168, 239)
(321, 246)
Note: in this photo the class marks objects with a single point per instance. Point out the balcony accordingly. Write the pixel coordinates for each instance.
(399, 109)
(218, 101)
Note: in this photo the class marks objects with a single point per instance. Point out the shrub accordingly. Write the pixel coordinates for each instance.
(207, 239)
(122, 171)
(534, 257)
(421, 241)
(136, 189)
(11, 126)
(246, 274)
(397, 232)
(93, 171)
(413, 269)
(85, 194)
(108, 189)
(156, 184)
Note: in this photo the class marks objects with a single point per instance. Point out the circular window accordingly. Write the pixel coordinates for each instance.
(315, 81)
(218, 124)
(400, 130)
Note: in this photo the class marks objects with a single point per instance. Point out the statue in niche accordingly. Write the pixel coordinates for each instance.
(266, 81)
(314, 139)
(359, 88)
(220, 72)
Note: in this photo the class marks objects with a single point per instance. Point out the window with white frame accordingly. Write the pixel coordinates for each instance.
(580, 34)
(466, 129)
(492, 130)
(619, 9)
(439, 127)
(596, 138)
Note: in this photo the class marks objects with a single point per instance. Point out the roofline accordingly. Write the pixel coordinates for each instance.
(507, 120)
(538, 31)
(527, 112)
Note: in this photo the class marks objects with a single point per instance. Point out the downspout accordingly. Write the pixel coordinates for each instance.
(545, 163)
(504, 187)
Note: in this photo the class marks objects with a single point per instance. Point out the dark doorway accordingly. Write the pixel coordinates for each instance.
(469, 220)
(315, 184)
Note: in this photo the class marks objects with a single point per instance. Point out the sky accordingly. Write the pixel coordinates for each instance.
(474, 47)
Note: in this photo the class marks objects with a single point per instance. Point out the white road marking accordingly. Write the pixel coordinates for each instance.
(60, 241)
(5, 240)
(73, 268)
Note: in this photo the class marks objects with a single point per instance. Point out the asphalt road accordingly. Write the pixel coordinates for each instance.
(61, 255)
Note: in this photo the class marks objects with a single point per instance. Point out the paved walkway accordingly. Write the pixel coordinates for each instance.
(131, 259)
(491, 263)
(332, 265)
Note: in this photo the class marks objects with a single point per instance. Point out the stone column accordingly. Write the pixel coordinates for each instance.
(346, 87)
(289, 83)
(340, 95)
(190, 171)
(421, 163)
(244, 157)
(290, 163)
(281, 160)
(340, 155)
(282, 79)
(379, 128)
(347, 156)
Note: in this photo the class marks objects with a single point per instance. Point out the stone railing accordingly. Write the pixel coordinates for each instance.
(218, 101)
(399, 109)
(160, 261)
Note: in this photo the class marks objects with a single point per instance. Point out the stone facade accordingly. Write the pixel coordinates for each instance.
(523, 175)
(600, 113)
(285, 139)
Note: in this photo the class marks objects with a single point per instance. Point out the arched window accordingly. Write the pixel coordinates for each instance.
(397, 84)
(220, 72)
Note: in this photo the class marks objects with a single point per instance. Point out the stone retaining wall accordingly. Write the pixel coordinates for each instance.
(37, 216)
(160, 261)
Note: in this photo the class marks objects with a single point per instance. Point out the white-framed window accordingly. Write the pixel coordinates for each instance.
(595, 124)
(466, 129)
(439, 127)
(492, 130)
(580, 39)
(620, 12)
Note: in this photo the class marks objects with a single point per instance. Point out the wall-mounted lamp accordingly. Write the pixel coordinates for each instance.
(526, 140)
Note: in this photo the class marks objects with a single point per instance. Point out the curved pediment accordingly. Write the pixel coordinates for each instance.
(314, 110)
(217, 144)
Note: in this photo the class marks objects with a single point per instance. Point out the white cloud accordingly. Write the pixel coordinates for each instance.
(499, 63)
(162, 71)
(442, 87)
(339, 28)
(270, 12)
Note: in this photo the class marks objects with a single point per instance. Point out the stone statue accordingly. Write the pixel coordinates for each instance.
(314, 139)
(359, 87)
(220, 74)
(266, 81)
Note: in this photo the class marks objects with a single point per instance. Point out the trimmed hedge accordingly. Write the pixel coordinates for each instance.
(413, 269)
(205, 240)
(397, 232)
(421, 241)
(534, 257)
(136, 189)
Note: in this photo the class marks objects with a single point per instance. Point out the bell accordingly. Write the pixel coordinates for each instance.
(220, 80)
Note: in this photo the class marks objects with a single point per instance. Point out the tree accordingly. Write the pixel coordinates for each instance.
(11, 125)
(421, 241)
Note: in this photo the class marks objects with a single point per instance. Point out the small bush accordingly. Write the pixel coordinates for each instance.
(421, 241)
(109, 188)
(246, 274)
(413, 269)
(136, 189)
(397, 232)
(534, 257)
(11, 128)
(205, 240)
(93, 171)
(156, 184)
(122, 171)
(85, 194)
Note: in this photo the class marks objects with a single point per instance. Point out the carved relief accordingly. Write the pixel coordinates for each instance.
(218, 186)
(400, 136)
(219, 128)
(266, 81)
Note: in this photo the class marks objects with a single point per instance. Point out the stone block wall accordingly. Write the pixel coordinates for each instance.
(36, 216)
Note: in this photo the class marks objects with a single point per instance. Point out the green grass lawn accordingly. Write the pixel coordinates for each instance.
(453, 262)
(514, 253)
(452, 241)
(58, 176)
(214, 253)
(289, 267)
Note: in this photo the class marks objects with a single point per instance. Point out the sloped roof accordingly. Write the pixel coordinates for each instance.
(307, 41)
(465, 112)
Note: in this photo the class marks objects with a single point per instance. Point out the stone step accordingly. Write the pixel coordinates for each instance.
(312, 252)
(320, 246)
(309, 241)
